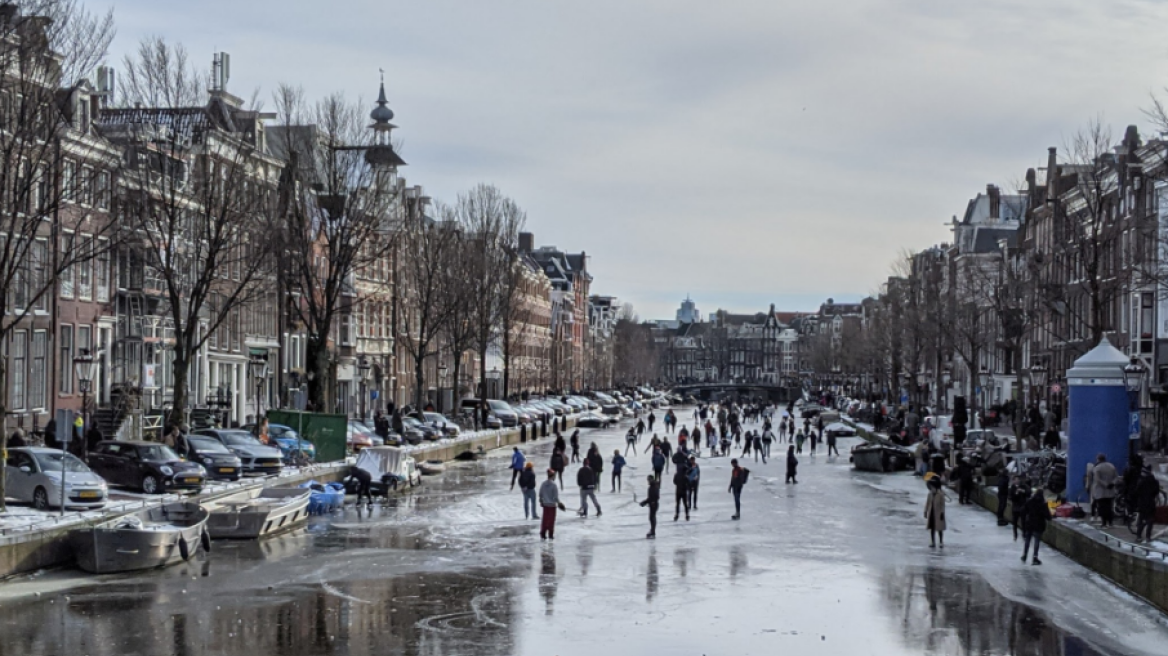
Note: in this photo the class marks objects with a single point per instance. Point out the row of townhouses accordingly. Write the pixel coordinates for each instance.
(98, 201)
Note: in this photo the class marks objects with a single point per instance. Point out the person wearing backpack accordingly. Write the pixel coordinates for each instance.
(738, 477)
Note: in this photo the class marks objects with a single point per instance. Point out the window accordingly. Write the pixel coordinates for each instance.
(84, 269)
(69, 181)
(85, 186)
(65, 370)
(19, 365)
(66, 277)
(103, 190)
(38, 261)
(84, 339)
(39, 373)
(101, 273)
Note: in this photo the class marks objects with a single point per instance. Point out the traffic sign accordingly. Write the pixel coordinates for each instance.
(1133, 426)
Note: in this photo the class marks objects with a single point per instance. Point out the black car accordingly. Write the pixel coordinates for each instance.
(148, 466)
(217, 459)
(254, 456)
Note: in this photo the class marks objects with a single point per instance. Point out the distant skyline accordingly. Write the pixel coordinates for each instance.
(745, 152)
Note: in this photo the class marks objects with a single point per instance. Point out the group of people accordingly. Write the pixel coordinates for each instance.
(543, 501)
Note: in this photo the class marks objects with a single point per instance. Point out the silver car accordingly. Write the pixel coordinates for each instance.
(34, 475)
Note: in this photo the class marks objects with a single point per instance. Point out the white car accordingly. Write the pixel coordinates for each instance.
(34, 476)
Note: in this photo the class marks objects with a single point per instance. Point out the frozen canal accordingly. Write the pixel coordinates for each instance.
(838, 564)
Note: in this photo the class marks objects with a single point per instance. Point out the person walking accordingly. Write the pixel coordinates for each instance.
(792, 465)
(527, 487)
(1003, 496)
(631, 441)
(1147, 492)
(558, 464)
(596, 462)
(517, 462)
(747, 443)
(963, 472)
(652, 501)
(652, 420)
(1103, 489)
(575, 442)
(586, 481)
(694, 474)
(935, 513)
(738, 476)
(799, 437)
(618, 465)
(814, 441)
(640, 428)
(831, 448)
(1036, 514)
(549, 499)
(1019, 493)
(767, 438)
(658, 462)
(667, 451)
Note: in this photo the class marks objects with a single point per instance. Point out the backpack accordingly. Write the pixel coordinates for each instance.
(745, 475)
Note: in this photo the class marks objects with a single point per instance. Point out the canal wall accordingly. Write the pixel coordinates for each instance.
(1141, 571)
(46, 543)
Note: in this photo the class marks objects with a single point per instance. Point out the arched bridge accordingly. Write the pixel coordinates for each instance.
(713, 391)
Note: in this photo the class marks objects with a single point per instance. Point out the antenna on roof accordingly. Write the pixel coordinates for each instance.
(105, 85)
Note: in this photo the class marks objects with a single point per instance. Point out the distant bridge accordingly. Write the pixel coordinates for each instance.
(713, 391)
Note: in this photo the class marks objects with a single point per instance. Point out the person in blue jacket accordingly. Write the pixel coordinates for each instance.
(658, 462)
(618, 463)
(517, 462)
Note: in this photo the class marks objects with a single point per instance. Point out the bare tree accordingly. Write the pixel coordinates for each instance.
(160, 74)
(46, 47)
(339, 214)
(197, 205)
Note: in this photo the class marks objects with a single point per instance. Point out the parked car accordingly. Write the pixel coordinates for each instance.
(472, 408)
(839, 430)
(504, 412)
(148, 466)
(358, 436)
(287, 440)
(594, 420)
(442, 423)
(34, 476)
(255, 456)
(217, 459)
(428, 432)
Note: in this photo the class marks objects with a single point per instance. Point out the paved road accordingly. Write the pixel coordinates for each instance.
(838, 564)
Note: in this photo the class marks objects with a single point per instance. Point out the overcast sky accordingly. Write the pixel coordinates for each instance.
(745, 153)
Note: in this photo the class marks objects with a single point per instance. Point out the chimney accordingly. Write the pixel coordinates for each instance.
(526, 242)
(995, 201)
(1052, 173)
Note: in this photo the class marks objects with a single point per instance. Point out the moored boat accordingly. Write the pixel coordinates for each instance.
(153, 537)
(881, 458)
(258, 513)
(431, 467)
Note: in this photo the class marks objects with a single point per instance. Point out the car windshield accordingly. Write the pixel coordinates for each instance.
(207, 445)
(435, 417)
(361, 429)
(156, 452)
(498, 405)
(53, 461)
(410, 421)
(239, 438)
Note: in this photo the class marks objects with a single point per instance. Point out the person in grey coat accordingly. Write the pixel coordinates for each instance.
(549, 500)
(1103, 492)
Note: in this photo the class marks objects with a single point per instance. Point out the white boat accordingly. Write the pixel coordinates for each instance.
(431, 467)
(155, 537)
(258, 512)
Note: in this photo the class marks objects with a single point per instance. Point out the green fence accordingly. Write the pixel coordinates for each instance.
(326, 432)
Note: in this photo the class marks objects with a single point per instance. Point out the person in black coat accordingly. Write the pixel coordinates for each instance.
(363, 479)
(1019, 493)
(963, 472)
(575, 442)
(1003, 496)
(681, 490)
(596, 461)
(653, 502)
(527, 487)
(792, 465)
(558, 463)
(1147, 492)
(1036, 513)
(586, 481)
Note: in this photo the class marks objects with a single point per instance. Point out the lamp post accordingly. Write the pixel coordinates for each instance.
(1038, 374)
(442, 369)
(363, 367)
(1133, 379)
(258, 368)
(983, 379)
(85, 366)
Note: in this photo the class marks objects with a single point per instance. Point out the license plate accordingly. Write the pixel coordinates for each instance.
(88, 494)
(226, 470)
(190, 480)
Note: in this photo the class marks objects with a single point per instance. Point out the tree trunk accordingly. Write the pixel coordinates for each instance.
(455, 395)
(3, 426)
(506, 368)
(483, 381)
(317, 362)
(181, 391)
(419, 379)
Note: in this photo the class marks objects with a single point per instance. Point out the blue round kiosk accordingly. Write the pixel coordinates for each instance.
(1099, 414)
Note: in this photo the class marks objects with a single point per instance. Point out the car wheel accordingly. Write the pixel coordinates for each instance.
(40, 499)
(150, 484)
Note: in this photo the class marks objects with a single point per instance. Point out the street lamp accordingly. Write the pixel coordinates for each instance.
(257, 366)
(86, 367)
(442, 369)
(363, 367)
(983, 379)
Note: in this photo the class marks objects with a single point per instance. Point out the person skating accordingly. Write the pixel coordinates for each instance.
(1147, 492)
(935, 513)
(831, 448)
(694, 474)
(560, 444)
(575, 442)
(652, 420)
(596, 462)
(768, 437)
(640, 428)
(680, 492)
(738, 476)
(653, 444)
(1036, 513)
(527, 487)
(549, 499)
(658, 462)
(618, 464)
(747, 444)
(814, 442)
(799, 437)
(652, 501)
(667, 451)
(517, 462)
(696, 440)
(558, 464)
(792, 465)
(631, 441)
(586, 481)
